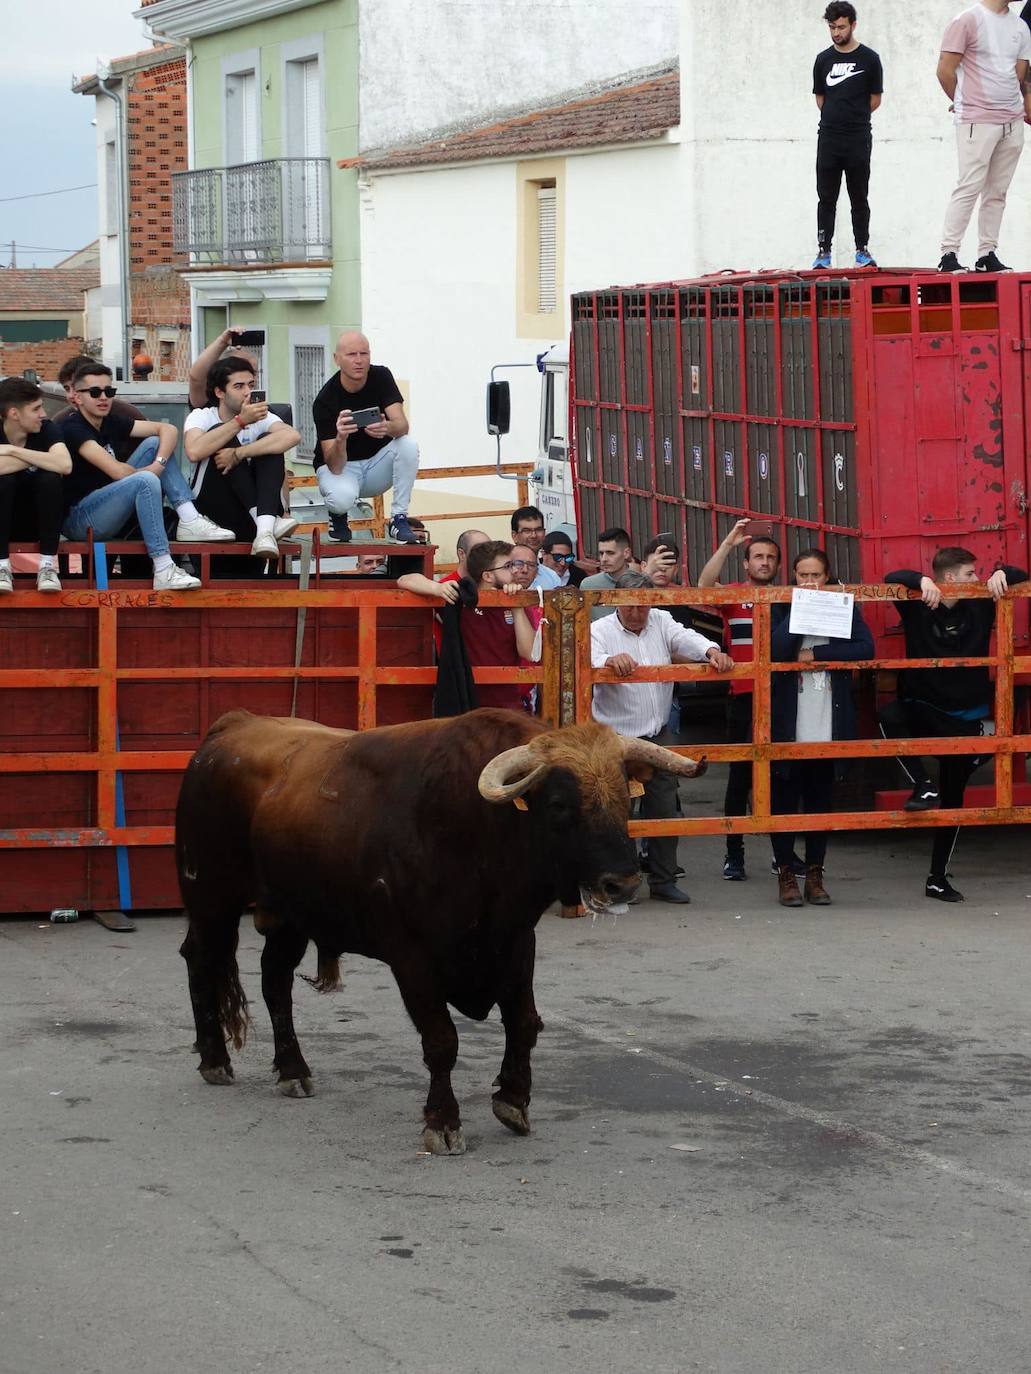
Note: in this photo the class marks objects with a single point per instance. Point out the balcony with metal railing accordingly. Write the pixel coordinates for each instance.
(257, 214)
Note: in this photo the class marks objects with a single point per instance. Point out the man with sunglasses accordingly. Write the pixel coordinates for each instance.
(103, 494)
(557, 555)
(120, 409)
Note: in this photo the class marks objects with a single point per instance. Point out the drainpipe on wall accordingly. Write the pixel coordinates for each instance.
(121, 178)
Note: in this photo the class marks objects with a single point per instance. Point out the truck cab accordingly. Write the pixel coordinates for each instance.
(552, 478)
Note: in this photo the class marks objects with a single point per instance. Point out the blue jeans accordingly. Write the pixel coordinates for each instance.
(109, 509)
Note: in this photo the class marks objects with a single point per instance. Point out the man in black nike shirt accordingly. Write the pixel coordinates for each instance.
(848, 82)
(945, 701)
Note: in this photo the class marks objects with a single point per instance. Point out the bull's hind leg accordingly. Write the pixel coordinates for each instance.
(219, 1006)
(426, 1005)
(522, 1023)
(284, 950)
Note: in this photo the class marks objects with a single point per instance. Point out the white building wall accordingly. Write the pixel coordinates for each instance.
(426, 66)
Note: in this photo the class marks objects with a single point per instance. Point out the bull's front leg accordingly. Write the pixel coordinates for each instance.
(425, 1003)
(522, 1024)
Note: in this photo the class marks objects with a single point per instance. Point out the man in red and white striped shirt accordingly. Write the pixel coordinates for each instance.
(762, 563)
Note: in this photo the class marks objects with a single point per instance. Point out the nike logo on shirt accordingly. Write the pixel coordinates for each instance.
(841, 73)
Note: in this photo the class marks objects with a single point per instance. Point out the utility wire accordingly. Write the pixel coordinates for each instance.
(36, 195)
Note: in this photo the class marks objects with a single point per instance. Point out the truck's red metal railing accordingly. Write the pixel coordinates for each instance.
(1004, 745)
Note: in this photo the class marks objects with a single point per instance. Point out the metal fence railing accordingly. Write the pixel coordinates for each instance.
(272, 211)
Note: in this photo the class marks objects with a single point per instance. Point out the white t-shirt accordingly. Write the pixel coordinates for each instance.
(987, 89)
(207, 418)
(814, 721)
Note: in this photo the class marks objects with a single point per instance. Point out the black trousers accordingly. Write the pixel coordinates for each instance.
(845, 155)
(739, 775)
(227, 498)
(801, 785)
(31, 509)
(911, 719)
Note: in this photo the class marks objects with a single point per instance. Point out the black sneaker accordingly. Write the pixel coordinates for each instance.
(990, 263)
(401, 531)
(922, 798)
(950, 263)
(943, 890)
(734, 870)
(339, 531)
(797, 866)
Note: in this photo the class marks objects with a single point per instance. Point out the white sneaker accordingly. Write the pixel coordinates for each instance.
(202, 531)
(285, 526)
(265, 546)
(6, 581)
(173, 579)
(47, 580)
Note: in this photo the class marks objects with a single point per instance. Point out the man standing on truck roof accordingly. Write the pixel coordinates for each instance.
(848, 82)
(983, 69)
(762, 563)
(363, 456)
(943, 700)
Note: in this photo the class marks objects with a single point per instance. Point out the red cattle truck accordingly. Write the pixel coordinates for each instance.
(877, 414)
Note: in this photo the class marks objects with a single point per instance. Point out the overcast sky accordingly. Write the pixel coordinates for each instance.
(44, 45)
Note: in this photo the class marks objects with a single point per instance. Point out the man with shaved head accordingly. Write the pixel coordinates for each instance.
(363, 442)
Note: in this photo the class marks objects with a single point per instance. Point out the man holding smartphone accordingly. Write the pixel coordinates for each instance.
(363, 445)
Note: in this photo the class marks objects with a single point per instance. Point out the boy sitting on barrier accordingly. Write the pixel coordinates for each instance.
(102, 494)
(33, 464)
(237, 447)
(944, 701)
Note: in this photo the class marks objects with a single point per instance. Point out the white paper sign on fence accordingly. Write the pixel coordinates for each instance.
(828, 614)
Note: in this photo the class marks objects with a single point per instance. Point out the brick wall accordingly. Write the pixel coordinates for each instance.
(45, 355)
(156, 131)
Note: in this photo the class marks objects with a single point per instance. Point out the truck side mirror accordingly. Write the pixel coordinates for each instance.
(499, 408)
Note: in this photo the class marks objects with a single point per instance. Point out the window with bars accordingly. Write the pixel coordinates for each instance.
(309, 375)
(547, 248)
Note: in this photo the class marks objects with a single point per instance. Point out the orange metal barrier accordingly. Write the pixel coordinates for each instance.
(105, 695)
(1004, 745)
(378, 521)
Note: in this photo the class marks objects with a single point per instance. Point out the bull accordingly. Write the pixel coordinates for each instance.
(401, 844)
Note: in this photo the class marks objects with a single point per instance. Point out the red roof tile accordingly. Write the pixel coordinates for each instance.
(621, 114)
(24, 289)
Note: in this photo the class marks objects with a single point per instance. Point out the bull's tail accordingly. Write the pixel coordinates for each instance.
(219, 1002)
(231, 1001)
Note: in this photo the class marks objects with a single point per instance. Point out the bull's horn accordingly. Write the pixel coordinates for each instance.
(494, 780)
(641, 751)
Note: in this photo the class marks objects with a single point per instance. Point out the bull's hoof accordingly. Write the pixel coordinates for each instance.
(220, 1075)
(515, 1118)
(450, 1140)
(297, 1087)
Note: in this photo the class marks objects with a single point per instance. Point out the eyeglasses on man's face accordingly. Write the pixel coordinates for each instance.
(563, 557)
(520, 563)
(530, 529)
(97, 391)
(501, 567)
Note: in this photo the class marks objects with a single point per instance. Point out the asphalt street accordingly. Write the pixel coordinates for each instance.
(764, 1140)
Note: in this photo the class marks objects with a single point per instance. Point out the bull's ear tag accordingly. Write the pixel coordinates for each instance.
(519, 804)
(635, 788)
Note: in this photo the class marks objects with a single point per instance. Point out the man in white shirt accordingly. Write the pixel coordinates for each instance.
(643, 636)
(237, 447)
(983, 69)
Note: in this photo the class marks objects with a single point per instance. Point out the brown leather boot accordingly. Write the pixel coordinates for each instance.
(815, 892)
(787, 883)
